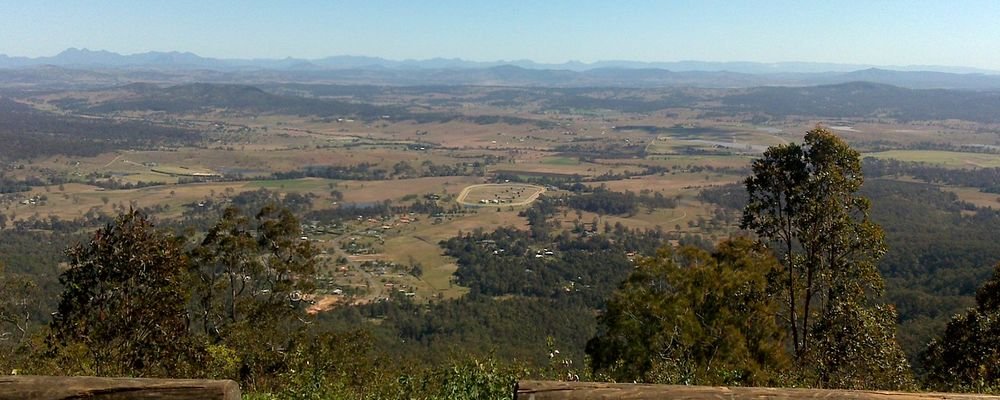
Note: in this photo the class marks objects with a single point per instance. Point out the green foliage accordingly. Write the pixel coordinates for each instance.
(693, 317)
(329, 366)
(124, 303)
(247, 270)
(512, 261)
(221, 265)
(345, 366)
(802, 203)
(514, 328)
(967, 354)
(856, 349)
(17, 294)
(466, 379)
(251, 277)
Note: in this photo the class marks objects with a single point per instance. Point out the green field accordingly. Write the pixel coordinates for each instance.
(294, 184)
(951, 159)
(560, 161)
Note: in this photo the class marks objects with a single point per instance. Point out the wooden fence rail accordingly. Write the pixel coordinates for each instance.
(548, 390)
(87, 387)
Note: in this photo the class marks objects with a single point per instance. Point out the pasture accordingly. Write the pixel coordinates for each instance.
(951, 159)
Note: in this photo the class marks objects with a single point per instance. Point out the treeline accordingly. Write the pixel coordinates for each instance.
(361, 172)
(372, 172)
(13, 185)
(606, 202)
(510, 261)
(514, 328)
(376, 209)
(603, 150)
(985, 179)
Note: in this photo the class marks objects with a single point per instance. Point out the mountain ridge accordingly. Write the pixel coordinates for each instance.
(82, 57)
(101, 68)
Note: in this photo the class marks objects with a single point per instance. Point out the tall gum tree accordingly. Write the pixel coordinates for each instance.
(803, 204)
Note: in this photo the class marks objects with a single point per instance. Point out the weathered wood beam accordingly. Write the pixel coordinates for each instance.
(87, 387)
(550, 390)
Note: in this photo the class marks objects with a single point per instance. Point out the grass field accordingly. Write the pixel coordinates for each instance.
(671, 184)
(565, 168)
(952, 159)
(437, 268)
(974, 196)
(560, 161)
(304, 184)
(735, 142)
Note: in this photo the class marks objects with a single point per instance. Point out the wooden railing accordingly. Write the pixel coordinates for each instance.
(65, 388)
(86, 387)
(548, 390)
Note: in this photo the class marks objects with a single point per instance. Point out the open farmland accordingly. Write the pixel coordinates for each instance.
(952, 159)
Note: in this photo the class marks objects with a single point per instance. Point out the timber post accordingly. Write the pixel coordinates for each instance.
(29, 387)
(552, 390)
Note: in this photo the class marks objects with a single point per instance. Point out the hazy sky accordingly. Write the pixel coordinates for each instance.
(932, 32)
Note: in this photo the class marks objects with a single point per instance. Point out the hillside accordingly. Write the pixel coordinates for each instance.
(867, 100)
(202, 97)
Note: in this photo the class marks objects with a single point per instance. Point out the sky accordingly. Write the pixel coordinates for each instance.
(875, 32)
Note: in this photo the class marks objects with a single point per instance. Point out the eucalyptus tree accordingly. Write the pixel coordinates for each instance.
(803, 204)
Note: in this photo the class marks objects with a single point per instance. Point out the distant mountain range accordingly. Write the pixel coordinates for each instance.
(89, 67)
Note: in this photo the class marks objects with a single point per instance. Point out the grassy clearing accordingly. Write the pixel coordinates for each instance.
(303, 184)
(672, 183)
(685, 216)
(560, 161)
(952, 159)
(437, 268)
(974, 196)
(78, 198)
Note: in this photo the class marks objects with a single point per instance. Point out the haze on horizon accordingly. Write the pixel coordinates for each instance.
(961, 33)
